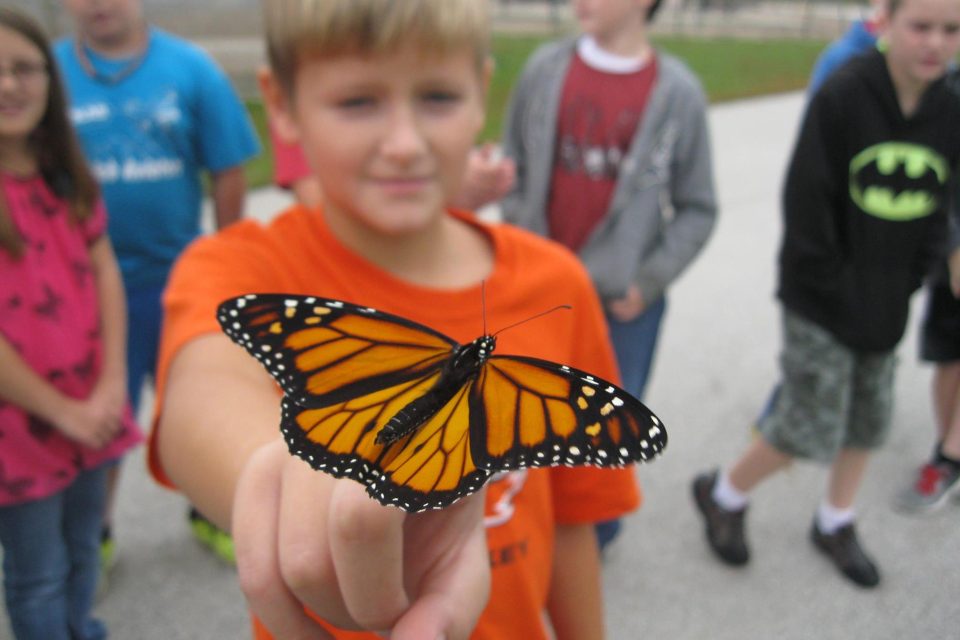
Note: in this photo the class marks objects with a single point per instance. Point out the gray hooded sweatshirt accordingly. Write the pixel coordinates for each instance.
(663, 207)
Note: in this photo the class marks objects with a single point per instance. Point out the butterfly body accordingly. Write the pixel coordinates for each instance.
(464, 365)
(418, 418)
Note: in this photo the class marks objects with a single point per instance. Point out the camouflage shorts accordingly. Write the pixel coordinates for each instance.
(830, 396)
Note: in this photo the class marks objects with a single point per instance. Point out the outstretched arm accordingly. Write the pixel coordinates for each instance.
(370, 567)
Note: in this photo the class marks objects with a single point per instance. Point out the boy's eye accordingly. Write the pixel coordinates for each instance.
(441, 96)
(356, 102)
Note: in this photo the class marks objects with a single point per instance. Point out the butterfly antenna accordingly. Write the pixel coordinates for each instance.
(541, 314)
(483, 304)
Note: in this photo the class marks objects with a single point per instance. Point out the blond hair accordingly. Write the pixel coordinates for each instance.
(297, 29)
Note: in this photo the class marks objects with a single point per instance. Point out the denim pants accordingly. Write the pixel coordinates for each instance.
(634, 343)
(51, 561)
(144, 315)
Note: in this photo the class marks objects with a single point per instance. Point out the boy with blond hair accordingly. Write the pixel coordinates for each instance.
(386, 99)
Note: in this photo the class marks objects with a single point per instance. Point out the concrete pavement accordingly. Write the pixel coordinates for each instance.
(716, 363)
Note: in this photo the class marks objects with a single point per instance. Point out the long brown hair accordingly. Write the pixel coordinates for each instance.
(59, 156)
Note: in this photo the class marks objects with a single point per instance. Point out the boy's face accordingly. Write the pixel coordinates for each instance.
(388, 136)
(923, 37)
(106, 22)
(604, 18)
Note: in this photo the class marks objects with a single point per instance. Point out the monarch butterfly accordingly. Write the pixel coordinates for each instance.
(418, 418)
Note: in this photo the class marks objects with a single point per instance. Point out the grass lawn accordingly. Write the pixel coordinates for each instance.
(729, 69)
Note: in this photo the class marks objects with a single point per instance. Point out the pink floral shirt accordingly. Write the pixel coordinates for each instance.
(49, 313)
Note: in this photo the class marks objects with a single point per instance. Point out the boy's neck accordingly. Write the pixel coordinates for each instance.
(628, 41)
(909, 91)
(602, 60)
(448, 254)
(125, 45)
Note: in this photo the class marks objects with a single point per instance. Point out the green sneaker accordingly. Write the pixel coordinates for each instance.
(108, 551)
(212, 537)
(108, 560)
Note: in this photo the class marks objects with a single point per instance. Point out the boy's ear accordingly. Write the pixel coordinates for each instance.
(486, 75)
(279, 109)
(881, 17)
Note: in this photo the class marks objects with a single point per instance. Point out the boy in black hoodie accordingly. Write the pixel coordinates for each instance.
(865, 208)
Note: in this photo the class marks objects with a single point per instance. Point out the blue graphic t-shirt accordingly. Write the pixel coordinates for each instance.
(149, 129)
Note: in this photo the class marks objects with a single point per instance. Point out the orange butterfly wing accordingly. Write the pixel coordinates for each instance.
(429, 468)
(345, 371)
(324, 351)
(527, 412)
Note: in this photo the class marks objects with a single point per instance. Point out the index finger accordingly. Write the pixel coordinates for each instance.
(255, 527)
(366, 540)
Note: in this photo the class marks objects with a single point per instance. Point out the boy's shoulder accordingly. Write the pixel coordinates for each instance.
(525, 250)
(854, 74)
(551, 53)
(675, 71)
(251, 234)
(63, 46)
(180, 52)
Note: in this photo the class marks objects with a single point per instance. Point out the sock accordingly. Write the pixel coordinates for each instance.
(830, 518)
(727, 496)
(940, 458)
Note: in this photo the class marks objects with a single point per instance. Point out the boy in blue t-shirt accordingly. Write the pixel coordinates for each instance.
(154, 114)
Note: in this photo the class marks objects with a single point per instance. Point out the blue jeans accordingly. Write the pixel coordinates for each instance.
(51, 561)
(144, 316)
(634, 343)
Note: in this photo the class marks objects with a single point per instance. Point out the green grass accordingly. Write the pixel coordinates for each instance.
(728, 68)
(259, 170)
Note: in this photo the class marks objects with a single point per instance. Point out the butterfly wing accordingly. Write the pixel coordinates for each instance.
(323, 351)
(430, 468)
(345, 371)
(527, 412)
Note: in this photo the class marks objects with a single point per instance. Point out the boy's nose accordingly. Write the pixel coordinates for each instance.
(403, 139)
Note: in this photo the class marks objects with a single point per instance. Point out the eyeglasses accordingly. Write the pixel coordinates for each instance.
(25, 72)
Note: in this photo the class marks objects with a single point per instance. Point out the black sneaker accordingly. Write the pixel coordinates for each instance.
(847, 555)
(724, 528)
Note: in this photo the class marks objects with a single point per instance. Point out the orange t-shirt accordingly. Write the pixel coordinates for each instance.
(296, 253)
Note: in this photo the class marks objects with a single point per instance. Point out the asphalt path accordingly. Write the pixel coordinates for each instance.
(715, 366)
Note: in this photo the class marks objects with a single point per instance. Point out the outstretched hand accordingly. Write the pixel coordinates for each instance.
(306, 540)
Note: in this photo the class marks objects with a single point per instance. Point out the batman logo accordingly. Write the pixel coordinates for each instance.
(898, 181)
